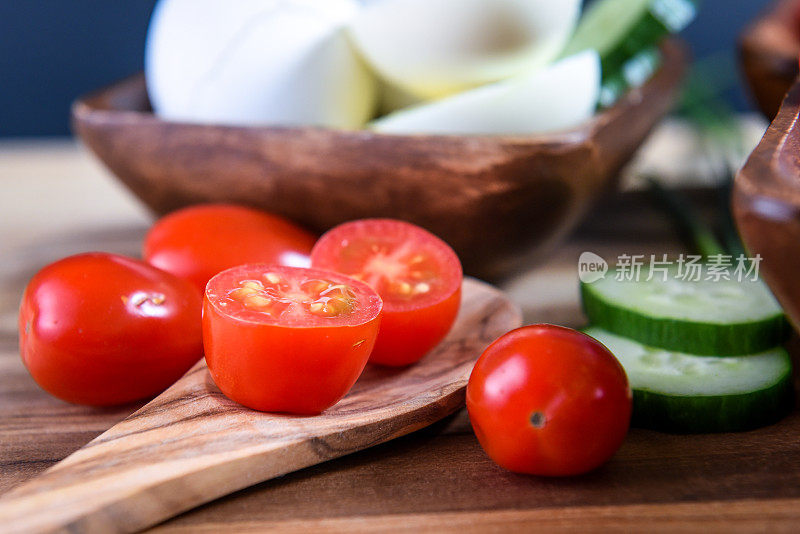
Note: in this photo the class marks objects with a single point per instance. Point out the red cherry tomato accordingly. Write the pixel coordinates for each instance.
(284, 339)
(198, 242)
(548, 400)
(417, 275)
(102, 329)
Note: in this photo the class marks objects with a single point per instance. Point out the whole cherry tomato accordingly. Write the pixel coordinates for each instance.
(548, 400)
(285, 339)
(102, 329)
(199, 241)
(417, 275)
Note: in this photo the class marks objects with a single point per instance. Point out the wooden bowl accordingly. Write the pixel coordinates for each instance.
(769, 49)
(766, 204)
(501, 201)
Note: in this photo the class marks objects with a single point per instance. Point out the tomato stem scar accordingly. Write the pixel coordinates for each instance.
(538, 420)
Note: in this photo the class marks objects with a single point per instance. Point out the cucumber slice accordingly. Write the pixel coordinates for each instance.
(620, 29)
(635, 72)
(696, 394)
(710, 318)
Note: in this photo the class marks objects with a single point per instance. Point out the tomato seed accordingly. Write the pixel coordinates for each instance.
(252, 284)
(257, 301)
(242, 293)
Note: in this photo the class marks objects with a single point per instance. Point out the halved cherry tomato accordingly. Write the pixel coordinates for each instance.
(198, 242)
(548, 400)
(102, 329)
(417, 275)
(284, 339)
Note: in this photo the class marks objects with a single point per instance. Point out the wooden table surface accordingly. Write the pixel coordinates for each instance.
(55, 200)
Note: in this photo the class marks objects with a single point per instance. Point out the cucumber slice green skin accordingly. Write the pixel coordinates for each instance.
(713, 414)
(684, 393)
(691, 337)
(647, 34)
(633, 34)
(634, 73)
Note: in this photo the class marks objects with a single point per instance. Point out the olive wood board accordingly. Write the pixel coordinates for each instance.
(192, 445)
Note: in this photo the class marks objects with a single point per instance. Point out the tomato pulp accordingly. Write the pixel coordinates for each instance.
(548, 400)
(102, 329)
(284, 339)
(198, 242)
(417, 275)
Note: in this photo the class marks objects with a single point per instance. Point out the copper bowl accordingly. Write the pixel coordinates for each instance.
(502, 202)
(769, 49)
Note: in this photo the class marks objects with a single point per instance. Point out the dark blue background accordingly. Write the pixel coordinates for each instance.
(54, 50)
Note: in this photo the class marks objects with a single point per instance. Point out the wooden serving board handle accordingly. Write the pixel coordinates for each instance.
(192, 445)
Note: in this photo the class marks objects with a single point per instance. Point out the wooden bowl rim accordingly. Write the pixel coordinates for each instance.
(93, 107)
(764, 174)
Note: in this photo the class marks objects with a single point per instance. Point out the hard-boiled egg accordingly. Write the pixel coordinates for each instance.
(241, 62)
(435, 48)
(557, 97)
(392, 98)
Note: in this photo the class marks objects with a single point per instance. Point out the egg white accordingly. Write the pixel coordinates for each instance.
(247, 62)
(435, 48)
(558, 97)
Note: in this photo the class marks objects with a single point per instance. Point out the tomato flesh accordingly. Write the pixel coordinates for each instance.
(101, 329)
(417, 275)
(284, 339)
(199, 241)
(548, 400)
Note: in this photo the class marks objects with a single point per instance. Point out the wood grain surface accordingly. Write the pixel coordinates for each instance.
(435, 480)
(498, 200)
